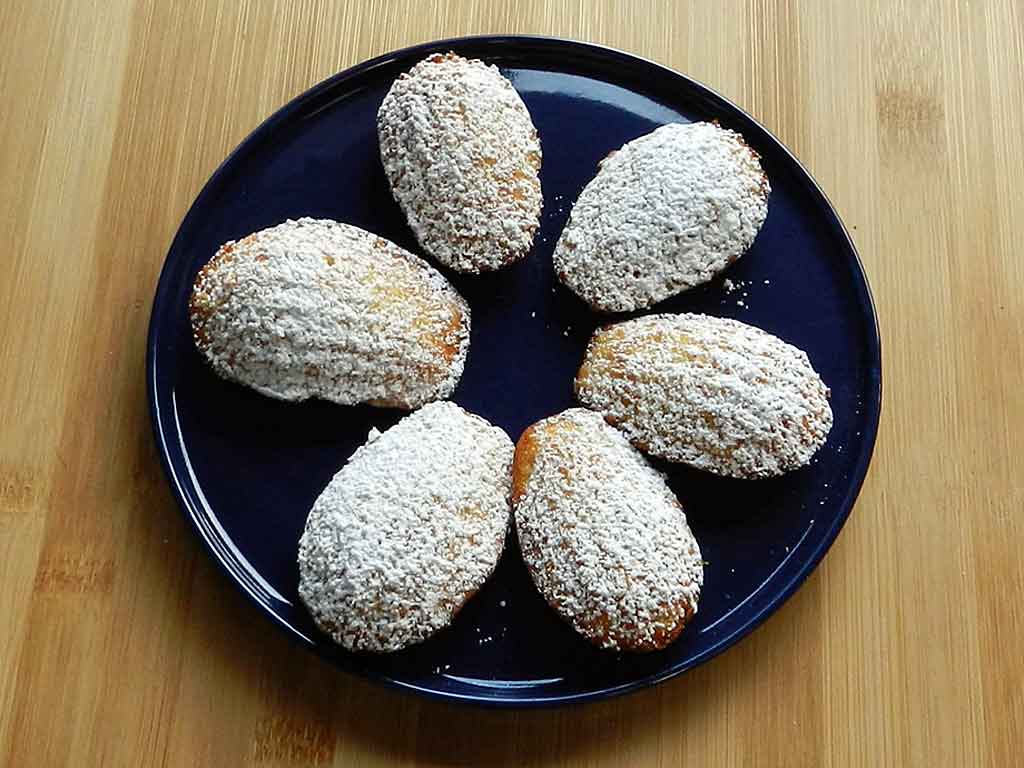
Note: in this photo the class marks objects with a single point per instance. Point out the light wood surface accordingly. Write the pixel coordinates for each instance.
(121, 645)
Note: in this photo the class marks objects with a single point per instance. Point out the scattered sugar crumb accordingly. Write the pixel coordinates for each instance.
(731, 286)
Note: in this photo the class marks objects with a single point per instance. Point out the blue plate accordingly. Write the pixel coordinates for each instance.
(246, 469)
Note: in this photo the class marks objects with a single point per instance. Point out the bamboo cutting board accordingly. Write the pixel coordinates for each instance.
(120, 643)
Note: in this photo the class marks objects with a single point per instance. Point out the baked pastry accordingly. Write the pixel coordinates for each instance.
(314, 308)
(462, 157)
(408, 530)
(604, 538)
(717, 394)
(668, 211)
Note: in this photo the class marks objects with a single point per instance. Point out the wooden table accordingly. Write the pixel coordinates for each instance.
(122, 645)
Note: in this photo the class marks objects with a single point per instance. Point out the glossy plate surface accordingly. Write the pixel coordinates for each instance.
(246, 469)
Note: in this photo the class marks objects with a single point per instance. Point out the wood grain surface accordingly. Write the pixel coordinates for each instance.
(122, 645)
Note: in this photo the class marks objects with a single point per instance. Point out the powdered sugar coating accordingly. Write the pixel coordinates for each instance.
(408, 530)
(714, 393)
(668, 211)
(603, 536)
(315, 308)
(462, 156)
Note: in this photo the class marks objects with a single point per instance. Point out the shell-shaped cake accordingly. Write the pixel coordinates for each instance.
(463, 159)
(603, 536)
(315, 308)
(714, 393)
(408, 530)
(666, 212)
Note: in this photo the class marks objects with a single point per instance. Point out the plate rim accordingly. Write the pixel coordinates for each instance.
(859, 471)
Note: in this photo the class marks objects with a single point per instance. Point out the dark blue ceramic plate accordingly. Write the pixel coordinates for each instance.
(246, 469)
